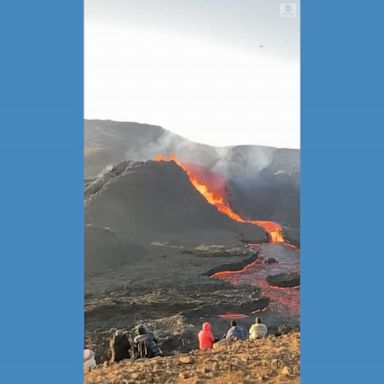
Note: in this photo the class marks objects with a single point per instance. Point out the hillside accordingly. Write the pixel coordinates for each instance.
(138, 208)
(262, 183)
(273, 360)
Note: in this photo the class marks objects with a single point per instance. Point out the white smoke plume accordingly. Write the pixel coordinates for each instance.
(107, 169)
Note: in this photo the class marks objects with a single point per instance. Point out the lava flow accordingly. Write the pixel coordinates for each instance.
(233, 316)
(281, 298)
(218, 200)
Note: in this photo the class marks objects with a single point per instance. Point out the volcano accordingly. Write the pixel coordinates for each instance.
(138, 207)
(214, 193)
(262, 183)
(182, 233)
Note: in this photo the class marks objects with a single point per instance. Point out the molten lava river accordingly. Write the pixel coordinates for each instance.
(282, 300)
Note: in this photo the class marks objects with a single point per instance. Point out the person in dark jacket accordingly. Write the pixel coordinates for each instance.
(120, 346)
(235, 332)
(145, 344)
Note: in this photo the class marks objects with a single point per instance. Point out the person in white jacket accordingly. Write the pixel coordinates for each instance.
(89, 360)
(257, 330)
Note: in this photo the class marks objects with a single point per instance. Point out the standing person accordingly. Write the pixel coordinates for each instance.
(235, 332)
(89, 359)
(257, 330)
(206, 337)
(145, 343)
(120, 346)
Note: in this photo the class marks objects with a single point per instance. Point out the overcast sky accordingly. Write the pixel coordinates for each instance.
(220, 72)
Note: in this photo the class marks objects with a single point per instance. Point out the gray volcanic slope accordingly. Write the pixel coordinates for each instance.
(263, 183)
(140, 206)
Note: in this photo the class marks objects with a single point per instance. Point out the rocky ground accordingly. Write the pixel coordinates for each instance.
(174, 314)
(175, 303)
(273, 360)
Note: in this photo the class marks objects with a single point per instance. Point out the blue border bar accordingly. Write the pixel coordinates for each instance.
(41, 212)
(342, 191)
(41, 204)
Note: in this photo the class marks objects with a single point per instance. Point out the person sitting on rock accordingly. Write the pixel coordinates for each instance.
(120, 346)
(145, 344)
(235, 332)
(257, 330)
(89, 359)
(206, 337)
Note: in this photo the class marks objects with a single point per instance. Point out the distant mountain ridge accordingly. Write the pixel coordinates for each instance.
(109, 142)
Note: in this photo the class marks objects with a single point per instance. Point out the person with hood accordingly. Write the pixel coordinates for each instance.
(257, 330)
(235, 332)
(145, 343)
(120, 346)
(206, 337)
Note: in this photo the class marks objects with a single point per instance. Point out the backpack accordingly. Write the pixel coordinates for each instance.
(146, 346)
(143, 349)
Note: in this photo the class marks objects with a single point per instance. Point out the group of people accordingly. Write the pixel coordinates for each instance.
(145, 345)
(235, 332)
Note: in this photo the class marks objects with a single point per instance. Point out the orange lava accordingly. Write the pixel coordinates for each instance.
(229, 273)
(233, 316)
(281, 299)
(218, 200)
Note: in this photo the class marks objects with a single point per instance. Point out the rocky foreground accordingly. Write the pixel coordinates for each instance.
(273, 360)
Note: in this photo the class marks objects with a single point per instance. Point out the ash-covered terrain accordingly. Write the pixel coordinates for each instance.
(262, 183)
(157, 251)
(144, 211)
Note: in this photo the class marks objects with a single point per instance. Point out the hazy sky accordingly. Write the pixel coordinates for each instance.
(220, 72)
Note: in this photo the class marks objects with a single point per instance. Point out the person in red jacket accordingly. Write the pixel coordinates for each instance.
(206, 337)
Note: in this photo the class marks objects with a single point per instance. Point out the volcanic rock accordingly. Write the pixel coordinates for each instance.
(285, 371)
(105, 250)
(185, 359)
(287, 328)
(236, 266)
(284, 280)
(268, 188)
(140, 207)
(238, 363)
(291, 235)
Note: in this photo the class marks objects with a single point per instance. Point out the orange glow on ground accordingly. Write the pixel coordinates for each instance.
(281, 299)
(222, 274)
(233, 316)
(219, 201)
